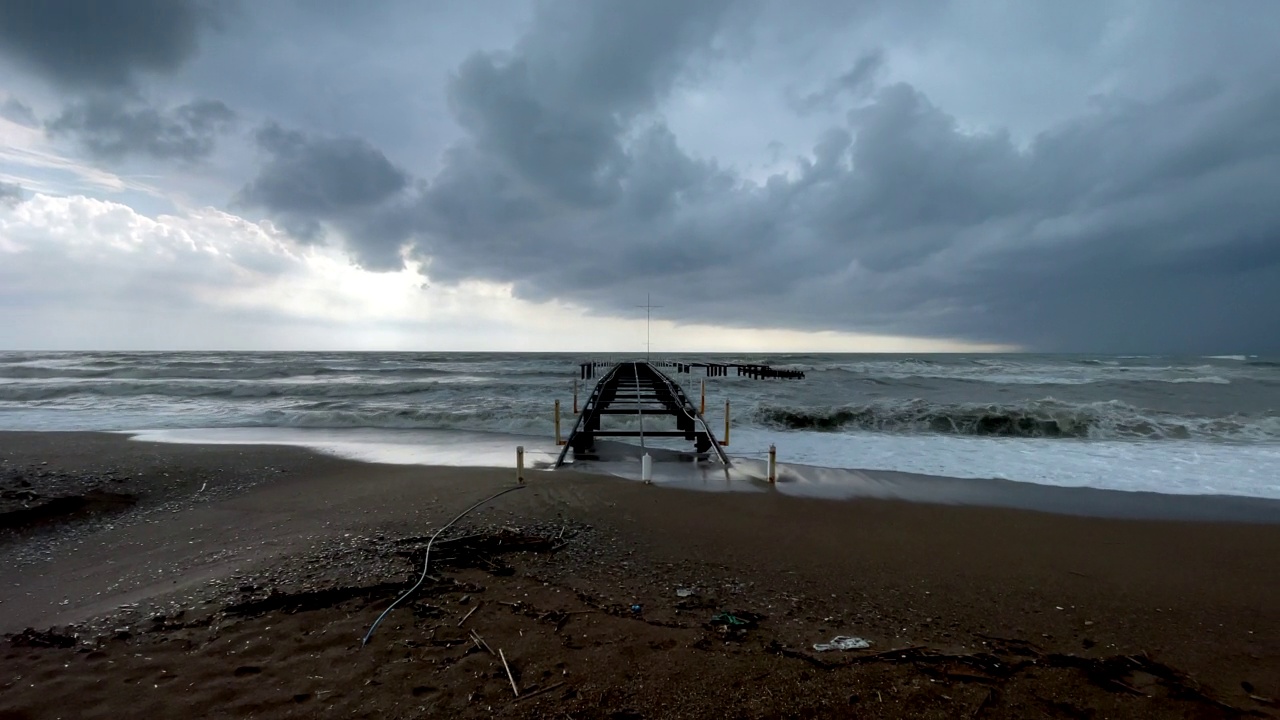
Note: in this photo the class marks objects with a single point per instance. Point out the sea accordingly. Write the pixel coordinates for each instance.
(1175, 425)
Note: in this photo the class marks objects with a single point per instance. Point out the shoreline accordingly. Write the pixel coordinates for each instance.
(834, 484)
(315, 547)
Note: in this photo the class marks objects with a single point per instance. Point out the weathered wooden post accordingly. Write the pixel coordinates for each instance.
(726, 423)
(702, 407)
(773, 463)
(575, 397)
(520, 464)
(558, 440)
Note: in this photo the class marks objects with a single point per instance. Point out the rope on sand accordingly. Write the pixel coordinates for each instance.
(426, 559)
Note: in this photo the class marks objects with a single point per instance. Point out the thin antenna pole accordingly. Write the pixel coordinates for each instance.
(648, 308)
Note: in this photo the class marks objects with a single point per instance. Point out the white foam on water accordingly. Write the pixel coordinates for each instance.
(1165, 466)
(393, 447)
(1170, 467)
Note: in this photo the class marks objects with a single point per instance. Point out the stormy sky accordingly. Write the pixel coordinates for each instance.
(790, 175)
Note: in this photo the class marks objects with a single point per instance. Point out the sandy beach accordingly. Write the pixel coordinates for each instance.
(155, 580)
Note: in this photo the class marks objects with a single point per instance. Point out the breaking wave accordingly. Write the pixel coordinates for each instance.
(1048, 418)
(231, 390)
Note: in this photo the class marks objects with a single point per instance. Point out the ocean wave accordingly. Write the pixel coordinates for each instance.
(1048, 418)
(28, 392)
(491, 419)
(201, 372)
(1004, 372)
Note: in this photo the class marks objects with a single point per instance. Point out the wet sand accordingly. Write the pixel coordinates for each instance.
(248, 576)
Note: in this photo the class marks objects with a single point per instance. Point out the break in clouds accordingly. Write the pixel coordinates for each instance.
(575, 156)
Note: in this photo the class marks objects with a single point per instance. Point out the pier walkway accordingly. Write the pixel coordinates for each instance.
(588, 370)
(638, 390)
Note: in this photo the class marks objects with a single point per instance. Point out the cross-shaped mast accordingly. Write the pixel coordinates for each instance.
(648, 308)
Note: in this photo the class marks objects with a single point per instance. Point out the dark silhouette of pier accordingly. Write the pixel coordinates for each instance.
(640, 390)
(588, 370)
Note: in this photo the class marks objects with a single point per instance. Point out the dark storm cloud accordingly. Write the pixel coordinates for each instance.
(96, 43)
(1139, 225)
(345, 181)
(113, 128)
(1145, 223)
(17, 111)
(555, 110)
(858, 82)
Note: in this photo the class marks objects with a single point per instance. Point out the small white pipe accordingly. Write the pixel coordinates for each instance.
(646, 468)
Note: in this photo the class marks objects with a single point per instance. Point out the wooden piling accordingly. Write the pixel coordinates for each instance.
(558, 440)
(726, 424)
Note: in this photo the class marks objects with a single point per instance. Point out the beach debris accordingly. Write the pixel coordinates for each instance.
(685, 592)
(540, 691)
(469, 614)
(510, 677)
(32, 638)
(637, 609)
(734, 625)
(278, 600)
(843, 643)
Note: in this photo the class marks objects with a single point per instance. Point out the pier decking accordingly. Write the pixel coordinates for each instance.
(759, 372)
(641, 390)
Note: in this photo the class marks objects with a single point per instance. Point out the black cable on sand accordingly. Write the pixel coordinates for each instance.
(427, 559)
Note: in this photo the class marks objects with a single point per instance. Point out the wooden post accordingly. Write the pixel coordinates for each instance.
(558, 441)
(773, 464)
(726, 423)
(702, 407)
(520, 464)
(575, 397)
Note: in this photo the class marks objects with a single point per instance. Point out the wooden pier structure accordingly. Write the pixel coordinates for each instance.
(588, 370)
(638, 389)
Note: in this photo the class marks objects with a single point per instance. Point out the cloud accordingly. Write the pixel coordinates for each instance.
(113, 128)
(763, 164)
(1141, 224)
(342, 181)
(10, 193)
(104, 43)
(858, 82)
(15, 110)
(79, 273)
(555, 110)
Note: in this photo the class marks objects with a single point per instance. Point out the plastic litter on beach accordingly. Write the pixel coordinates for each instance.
(843, 642)
(684, 592)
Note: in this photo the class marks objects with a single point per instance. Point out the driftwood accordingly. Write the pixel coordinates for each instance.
(1009, 657)
(510, 677)
(469, 614)
(538, 692)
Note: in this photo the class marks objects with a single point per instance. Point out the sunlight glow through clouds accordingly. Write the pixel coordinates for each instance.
(209, 269)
